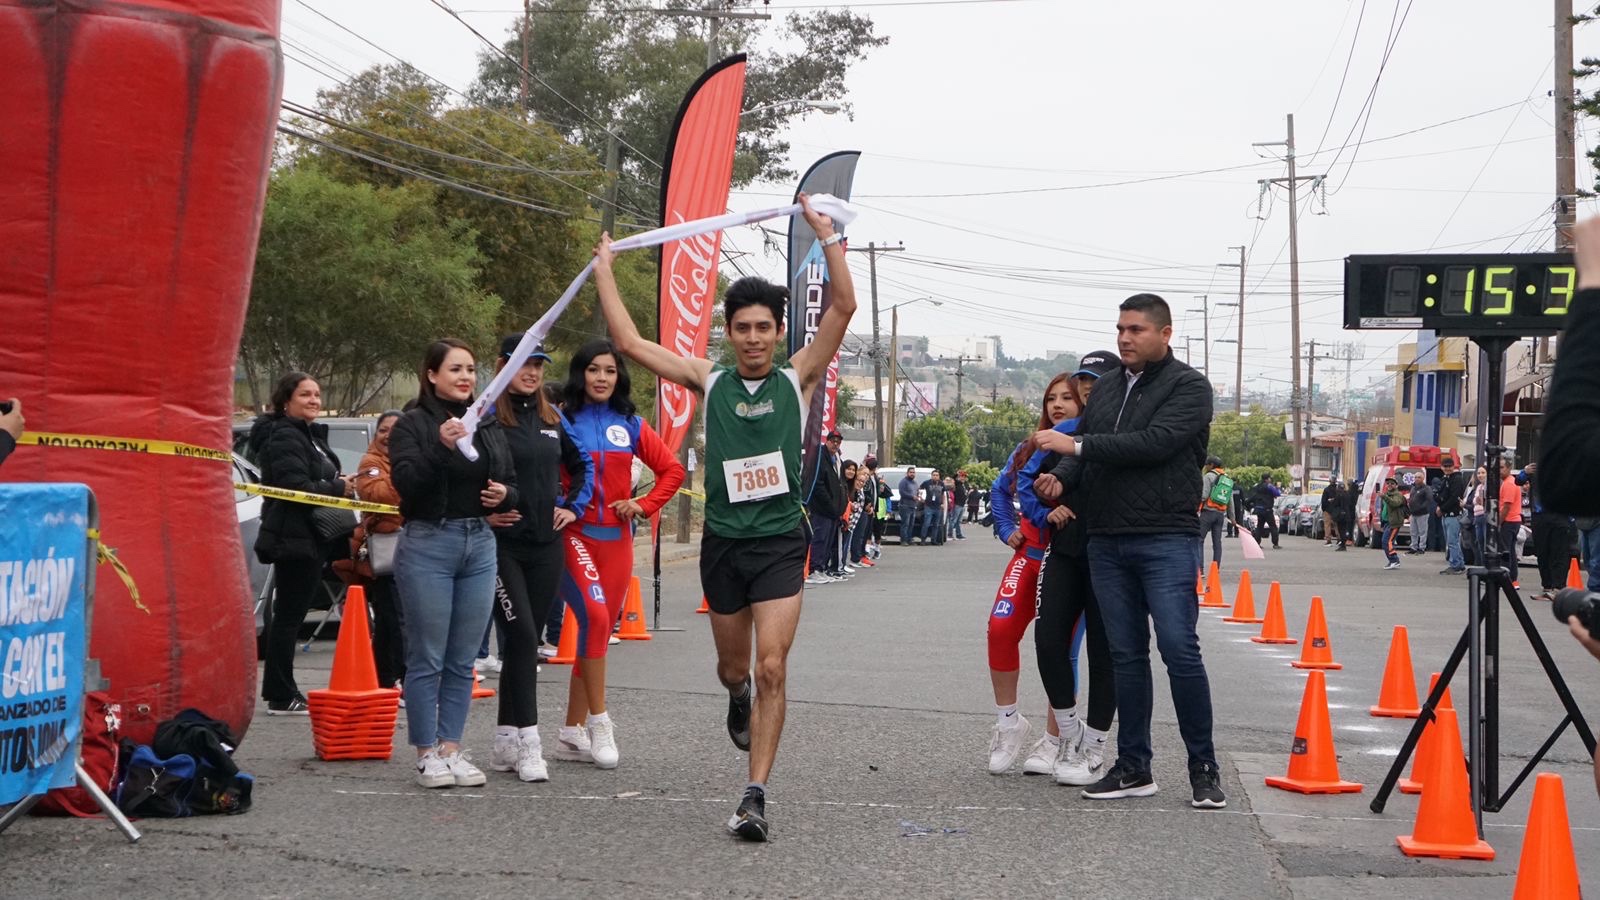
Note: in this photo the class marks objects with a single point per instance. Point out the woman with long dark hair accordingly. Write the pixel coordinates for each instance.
(292, 450)
(445, 563)
(555, 480)
(599, 546)
(1016, 600)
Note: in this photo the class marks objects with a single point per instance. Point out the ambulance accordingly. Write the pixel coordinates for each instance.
(1407, 465)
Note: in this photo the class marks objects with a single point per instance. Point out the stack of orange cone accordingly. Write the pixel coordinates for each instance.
(1213, 598)
(1548, 869)
(1575, 576)
(567, 650)
(1422, 754)
(480, 690)
(354, 718)
(1445, 826)
(1313, 764)
(633, 615)
(1273, 628)
(1318, 650)
(1397, 697)
(705, 606)
(1244, 602)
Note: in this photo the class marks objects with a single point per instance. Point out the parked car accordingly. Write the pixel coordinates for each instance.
(892, 475)
(348, 437)
(1286, 508)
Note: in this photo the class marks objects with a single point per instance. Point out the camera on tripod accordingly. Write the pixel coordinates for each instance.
(1578, 602)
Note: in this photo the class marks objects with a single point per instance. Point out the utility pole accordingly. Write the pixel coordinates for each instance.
(1301, 445)
(894, 380)
(961, 373)
(1238, 374)
(714, 19)
(1205, 319)
(1311, 388)
(1566, 205)
(872, 250)
(527, 17)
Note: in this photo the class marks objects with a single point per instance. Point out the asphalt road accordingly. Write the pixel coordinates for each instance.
(881, 786)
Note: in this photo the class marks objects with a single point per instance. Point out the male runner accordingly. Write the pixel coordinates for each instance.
(753, 551)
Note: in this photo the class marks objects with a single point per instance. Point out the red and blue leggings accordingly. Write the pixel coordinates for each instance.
(595, 583)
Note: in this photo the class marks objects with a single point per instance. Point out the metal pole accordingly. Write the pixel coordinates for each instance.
(1238, 372)
(894, 381)
(1300, 446)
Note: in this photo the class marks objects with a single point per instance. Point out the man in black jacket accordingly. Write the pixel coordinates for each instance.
(1447, 503)
(825, 504)
(1137, 456)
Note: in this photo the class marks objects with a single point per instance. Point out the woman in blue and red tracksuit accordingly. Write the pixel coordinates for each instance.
(599, 545)
(1015, 602)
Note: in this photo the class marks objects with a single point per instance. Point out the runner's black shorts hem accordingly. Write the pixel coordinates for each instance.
(737, 572)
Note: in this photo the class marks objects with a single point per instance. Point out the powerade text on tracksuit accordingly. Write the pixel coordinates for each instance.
(599, 545)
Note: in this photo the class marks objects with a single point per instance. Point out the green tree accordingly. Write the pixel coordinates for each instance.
(608, 65)
(1252, 439)
(936, 441)
(981, 475)
(844, 412)
(998, 432)
(351, 280)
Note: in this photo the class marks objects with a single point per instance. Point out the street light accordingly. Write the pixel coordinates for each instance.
(886, 438)
(823, 106)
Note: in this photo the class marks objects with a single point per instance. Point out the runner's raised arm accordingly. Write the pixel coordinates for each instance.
(691, 373)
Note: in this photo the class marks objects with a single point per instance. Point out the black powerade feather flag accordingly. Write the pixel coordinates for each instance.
(810, 294)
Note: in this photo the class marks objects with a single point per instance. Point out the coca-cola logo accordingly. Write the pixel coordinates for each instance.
(691, 279)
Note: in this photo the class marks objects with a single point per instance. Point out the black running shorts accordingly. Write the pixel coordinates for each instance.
(736, 572)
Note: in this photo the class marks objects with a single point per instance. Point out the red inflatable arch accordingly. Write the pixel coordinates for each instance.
(134, 151)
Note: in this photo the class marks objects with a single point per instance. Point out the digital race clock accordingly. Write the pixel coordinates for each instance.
(1513, 294)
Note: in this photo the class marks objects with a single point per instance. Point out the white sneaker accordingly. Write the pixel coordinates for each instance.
(547, 651)
(572, 745)
(488, 665)
(530, 759)
(816, 578)
(614, 640)
(1042, 758)
(463, 771)
(503, 758)
(1078, 764)
(1006, 745)
(603, 745)
(849, 569)
(432, 771)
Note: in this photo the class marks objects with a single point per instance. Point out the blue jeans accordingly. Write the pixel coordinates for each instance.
(824, 542)
(1590, 542)
(1389, 531)
(1480, 533)
(908, 521)
(1452, 541)
(1140, 578)
(445, 572)
(955, 524)
(932, 526)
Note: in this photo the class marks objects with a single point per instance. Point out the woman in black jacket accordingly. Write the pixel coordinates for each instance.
(445, 563)
(531, 559)
(292, 451)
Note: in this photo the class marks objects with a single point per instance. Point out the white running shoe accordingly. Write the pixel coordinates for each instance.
(530, 759)
(1006, 745)
(432, 771)
(572, 745)
(488, 665)
(816, 578)
(503, 758)
(463, 771)
(614, 640)
(1042, 758)
(1079, 764)
(547, 651)
(603, 745)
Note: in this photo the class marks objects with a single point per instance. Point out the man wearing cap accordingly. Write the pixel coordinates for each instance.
(825, 504)
(1137, 459)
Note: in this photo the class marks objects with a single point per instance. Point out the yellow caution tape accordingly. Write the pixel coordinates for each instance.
(695, 494)
(109, 555)
(125, 445)
(278, 493)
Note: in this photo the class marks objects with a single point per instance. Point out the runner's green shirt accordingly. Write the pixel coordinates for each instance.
(754, 430)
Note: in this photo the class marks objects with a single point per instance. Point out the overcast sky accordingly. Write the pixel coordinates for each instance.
(1032, 108)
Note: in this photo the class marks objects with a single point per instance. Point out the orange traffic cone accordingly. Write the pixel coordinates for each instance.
(1318, 653)
(1397, 697)
(1574, 576)
(633, 615)
(1244, 602)
(354, 667)
(705, 607)
(1273, 628)
(1199, 586)
(478, 690)
(567, 650)
(1313, 764)
(1423, 752)
(1548, 869)
(1213, 598)
(1444, 826)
